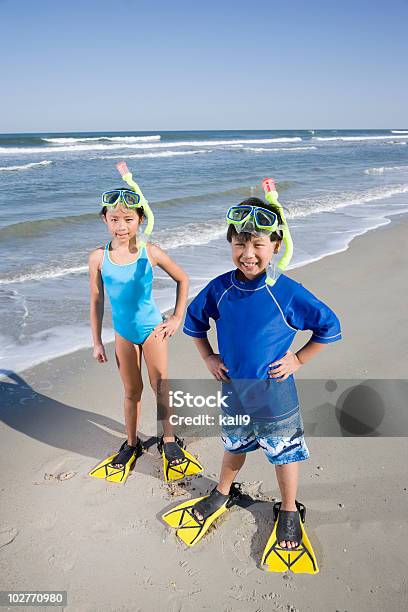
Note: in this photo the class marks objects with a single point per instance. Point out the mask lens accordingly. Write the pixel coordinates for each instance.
(110, 197)
(131, 198)
(239, 213)
(265, 218)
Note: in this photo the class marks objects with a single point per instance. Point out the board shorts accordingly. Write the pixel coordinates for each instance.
(279, 449)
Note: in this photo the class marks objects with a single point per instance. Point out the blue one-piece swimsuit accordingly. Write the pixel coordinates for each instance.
(129, 287)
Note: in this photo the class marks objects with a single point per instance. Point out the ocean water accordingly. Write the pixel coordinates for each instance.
(334, 184)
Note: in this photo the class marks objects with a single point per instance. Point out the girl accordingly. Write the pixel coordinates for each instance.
(125, 268)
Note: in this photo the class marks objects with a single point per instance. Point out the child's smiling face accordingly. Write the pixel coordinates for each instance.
(122, 222)
(252, 257)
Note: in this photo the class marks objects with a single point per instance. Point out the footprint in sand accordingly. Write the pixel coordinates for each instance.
(7, 536)
(60, 477)
(46, 522)
(101, 527)
(62, 561)
(60, 469)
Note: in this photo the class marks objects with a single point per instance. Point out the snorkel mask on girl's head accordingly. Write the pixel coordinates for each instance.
(128, 198)
(261, 221)
(132, 198)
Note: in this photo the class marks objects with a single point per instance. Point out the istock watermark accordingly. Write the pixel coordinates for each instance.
(319, 407)
(181, 399)
(206, 420)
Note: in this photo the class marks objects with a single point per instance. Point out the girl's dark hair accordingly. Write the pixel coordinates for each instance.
(139, 211)
(275, 236)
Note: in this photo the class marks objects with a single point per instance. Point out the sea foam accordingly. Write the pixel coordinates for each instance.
(74, 148)
(45, 275)
(45, 345)
(277, 149)
(355, 138)
(69, 140)
(383, 169)
(152, 155)
(31, 166)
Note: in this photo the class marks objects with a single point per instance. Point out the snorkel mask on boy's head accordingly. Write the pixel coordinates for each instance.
(260, 221)
(254, 220)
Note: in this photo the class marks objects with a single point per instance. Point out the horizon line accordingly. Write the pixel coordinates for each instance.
(210, 130)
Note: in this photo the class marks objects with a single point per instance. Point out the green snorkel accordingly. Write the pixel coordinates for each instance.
(143, 203)
(271, 195)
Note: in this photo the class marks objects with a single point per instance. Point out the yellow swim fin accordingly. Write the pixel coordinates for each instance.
(188, 467)
(300, 560)
(188, 527)
(107, 470)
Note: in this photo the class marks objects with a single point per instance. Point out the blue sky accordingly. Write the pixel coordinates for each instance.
(91, 65)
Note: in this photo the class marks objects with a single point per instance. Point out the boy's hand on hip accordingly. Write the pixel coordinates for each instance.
(283, 368)
(217, 368)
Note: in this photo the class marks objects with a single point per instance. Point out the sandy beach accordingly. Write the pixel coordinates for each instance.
(106, 545)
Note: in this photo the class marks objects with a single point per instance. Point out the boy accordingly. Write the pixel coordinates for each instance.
(257, 319)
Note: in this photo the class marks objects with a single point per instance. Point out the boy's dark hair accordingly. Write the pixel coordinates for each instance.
(139, 211)
(275, 236)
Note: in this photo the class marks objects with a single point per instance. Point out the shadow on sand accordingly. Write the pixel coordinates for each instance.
(60, 425)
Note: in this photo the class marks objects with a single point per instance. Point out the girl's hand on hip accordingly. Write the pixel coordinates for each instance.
(283, 368)
(217, 368)
(168, 328)
(99, 353)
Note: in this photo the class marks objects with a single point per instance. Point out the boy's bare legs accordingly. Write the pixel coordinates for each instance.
(231, 464)
(287, 476)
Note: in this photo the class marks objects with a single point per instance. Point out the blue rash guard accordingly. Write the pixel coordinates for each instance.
(256, 324)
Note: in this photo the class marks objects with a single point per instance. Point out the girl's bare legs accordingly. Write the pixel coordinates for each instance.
(128, 359)
(287, 476)
(156, 358)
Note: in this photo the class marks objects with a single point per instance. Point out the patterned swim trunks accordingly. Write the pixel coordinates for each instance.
(279, 449)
